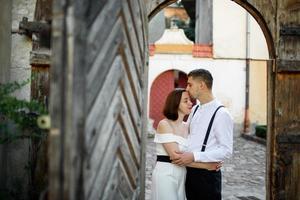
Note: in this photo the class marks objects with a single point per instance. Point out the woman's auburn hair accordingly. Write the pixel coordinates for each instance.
(170, 110)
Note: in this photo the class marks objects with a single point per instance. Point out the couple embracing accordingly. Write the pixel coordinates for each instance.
(190, 154)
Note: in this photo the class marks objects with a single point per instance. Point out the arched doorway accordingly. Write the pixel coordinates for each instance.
(160, 88)
(258, 17)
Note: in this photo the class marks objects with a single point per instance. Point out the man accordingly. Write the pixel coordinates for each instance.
(202, 184)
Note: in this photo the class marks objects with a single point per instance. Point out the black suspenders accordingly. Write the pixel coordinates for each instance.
(195, 110)
(209, 126)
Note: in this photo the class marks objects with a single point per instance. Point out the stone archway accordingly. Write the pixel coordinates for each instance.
(270, 43)
(279, 21)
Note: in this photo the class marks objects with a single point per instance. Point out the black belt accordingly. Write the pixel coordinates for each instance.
(163, 159)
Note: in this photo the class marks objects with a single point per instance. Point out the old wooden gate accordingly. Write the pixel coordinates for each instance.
(98, 97)
(97, 103)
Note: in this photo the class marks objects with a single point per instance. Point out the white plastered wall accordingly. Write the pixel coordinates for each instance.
(229, 32)
(229, 77)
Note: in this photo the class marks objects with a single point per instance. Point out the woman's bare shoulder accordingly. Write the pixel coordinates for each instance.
(164, 127)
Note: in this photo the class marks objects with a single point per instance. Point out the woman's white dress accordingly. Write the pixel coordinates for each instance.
(168, 179)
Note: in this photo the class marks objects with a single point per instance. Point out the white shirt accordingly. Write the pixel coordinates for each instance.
(220, 141)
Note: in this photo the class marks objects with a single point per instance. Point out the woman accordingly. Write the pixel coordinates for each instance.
(168, 179)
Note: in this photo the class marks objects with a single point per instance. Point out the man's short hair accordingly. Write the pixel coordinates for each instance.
(203, 75)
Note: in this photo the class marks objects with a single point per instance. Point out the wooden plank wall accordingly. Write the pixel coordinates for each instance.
(98, 100)
(40, 54)
(114, 82)
(286, 162)
(286, 157)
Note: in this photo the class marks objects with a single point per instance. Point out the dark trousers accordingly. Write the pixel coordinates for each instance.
(202, 184)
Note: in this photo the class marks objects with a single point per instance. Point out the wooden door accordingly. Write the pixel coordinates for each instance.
(280, 22)
(98, 99)
(285, 148)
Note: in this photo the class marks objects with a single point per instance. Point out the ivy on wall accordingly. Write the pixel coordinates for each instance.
(18, 118)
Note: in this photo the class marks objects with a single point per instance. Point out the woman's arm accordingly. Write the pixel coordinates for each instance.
(206, 165)
(171, 147)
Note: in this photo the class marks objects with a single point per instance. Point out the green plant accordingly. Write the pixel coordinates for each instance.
(261, 131)
(18, 118)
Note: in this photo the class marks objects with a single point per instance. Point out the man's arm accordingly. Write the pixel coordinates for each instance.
(223, 128)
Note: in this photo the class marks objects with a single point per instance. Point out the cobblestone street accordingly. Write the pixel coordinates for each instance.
(243, 176)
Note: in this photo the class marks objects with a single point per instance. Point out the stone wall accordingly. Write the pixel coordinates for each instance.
(21, 46)
(14, 66)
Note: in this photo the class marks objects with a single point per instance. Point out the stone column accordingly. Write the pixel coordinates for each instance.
(15, 156)
(21, 46)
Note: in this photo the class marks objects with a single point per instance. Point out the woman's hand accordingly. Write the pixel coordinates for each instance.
(182, 158)
(211, 166)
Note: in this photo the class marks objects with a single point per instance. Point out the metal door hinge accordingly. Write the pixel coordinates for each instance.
(290, 31)
(29, 27)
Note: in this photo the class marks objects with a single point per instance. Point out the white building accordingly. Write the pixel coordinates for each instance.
(226, 38)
